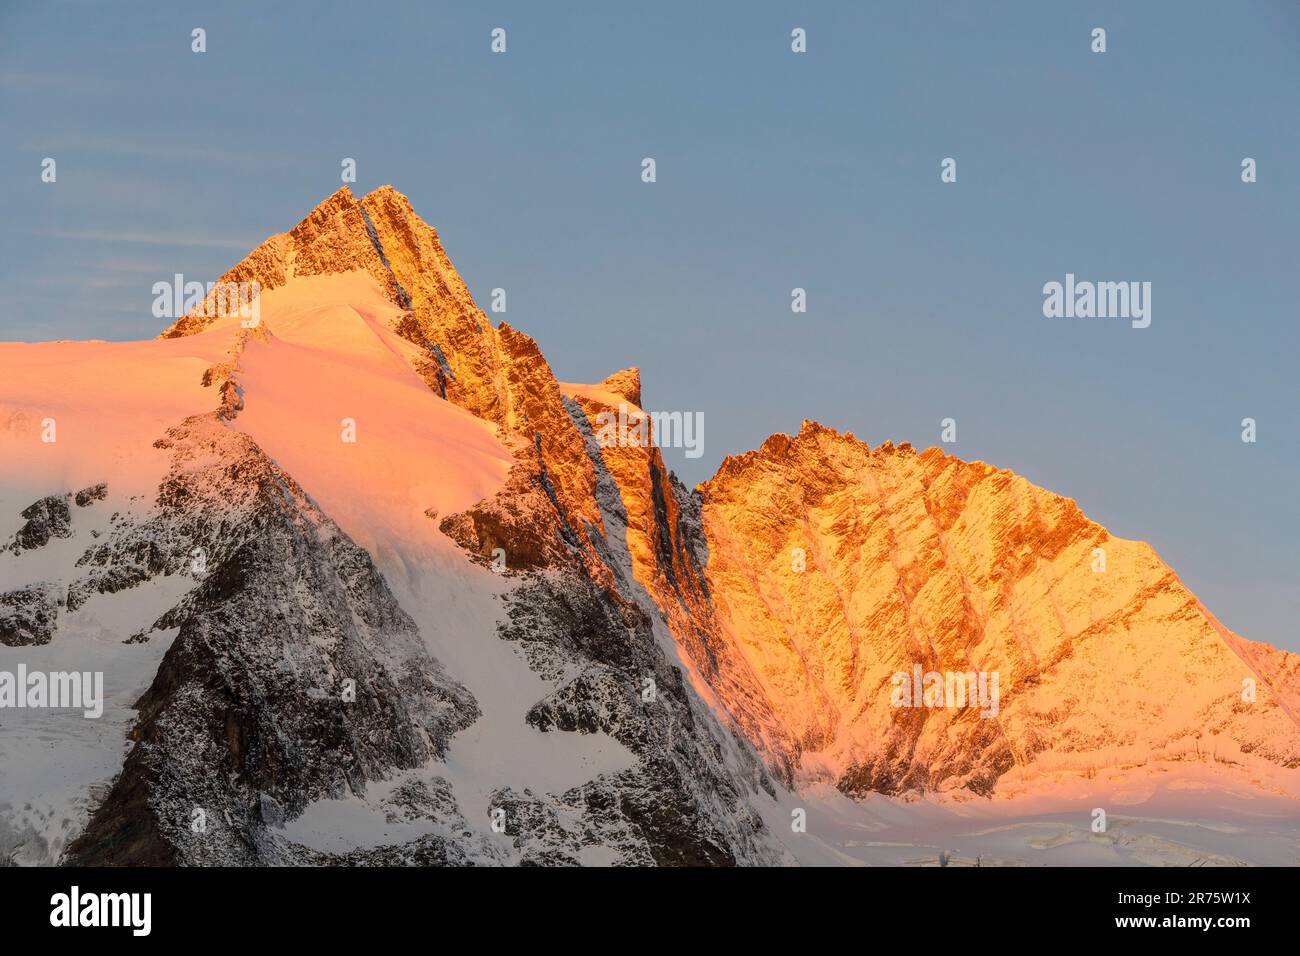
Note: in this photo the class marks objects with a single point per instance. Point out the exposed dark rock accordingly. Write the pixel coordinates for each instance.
(28, 615)
(295, 675)
(87, 496)
(47, 518)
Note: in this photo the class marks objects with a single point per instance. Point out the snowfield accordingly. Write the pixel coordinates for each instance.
(365, 587)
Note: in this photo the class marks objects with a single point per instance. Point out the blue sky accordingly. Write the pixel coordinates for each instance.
(775, 170)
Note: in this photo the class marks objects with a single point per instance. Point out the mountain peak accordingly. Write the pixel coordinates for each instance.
(907, 559)
(380, 234)
(884, 560)
(340, 198)
(776, 606)
(625, 383)
(387, 193)
(336, 236)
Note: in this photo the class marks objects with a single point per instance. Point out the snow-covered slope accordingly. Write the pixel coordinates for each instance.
(275, 518)
(367, 585)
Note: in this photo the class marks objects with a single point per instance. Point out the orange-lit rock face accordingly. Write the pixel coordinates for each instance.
(834, 566)
(444, 314)
(651, 511)
(498, 374)
(804, 576)
(653, 524)
(333, 238)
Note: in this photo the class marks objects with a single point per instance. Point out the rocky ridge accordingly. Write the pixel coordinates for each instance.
(735, 639)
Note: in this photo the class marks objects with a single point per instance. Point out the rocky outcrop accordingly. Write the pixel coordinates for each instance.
(688, 799)
(654, 525)
(48, 518)
(295, 675)
(626, 384)
(88, 496)
(28, 615)
(587, 611)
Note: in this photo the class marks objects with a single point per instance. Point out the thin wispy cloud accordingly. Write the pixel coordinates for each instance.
(119, 265)
(148, 238)
(142, 148)
(86, 281)
(20, 81)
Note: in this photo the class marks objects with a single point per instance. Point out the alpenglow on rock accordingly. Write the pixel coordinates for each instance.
(369, 587)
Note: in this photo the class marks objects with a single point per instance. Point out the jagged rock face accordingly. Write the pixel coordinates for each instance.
(28, 615)
(252, 716)
(687, 799)
(584, 615)
(88, 496)
(497, 373)
(910, 560)
(45, 519)
(519, 530)
(444, 316)
(656, 520)
(222, 699)
(538, 413)
(626, 384)
(752, 625)
(836, 566)
(335, 237)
